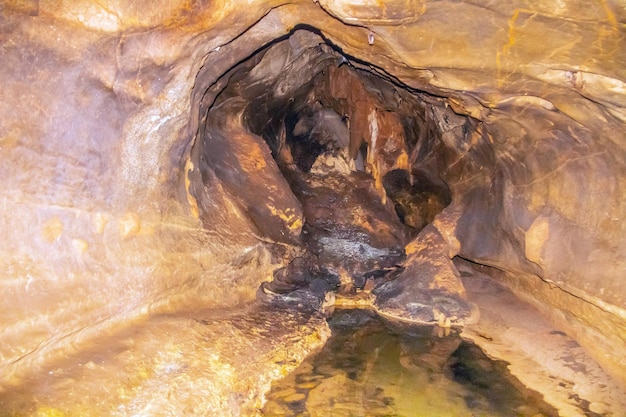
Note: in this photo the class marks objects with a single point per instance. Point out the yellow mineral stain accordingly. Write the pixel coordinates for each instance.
(511, 24)
(448, 281)
(129, 225)
(289, 217)
(52, 230)
(610, 16)
(412, 247)
(193, 203)
(511, 41)
(296, 225)
(101, 220)
(80, 245)
(45, 411)
(254, 158)
(403, 161)
(446, 227)
(475, 138)
(378, 180)
(535, 238)
(365, 224)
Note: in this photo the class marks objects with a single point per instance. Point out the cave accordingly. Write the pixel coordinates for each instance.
(349, 162)
(189, 187)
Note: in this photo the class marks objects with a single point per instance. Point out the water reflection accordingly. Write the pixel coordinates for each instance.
(375, 368)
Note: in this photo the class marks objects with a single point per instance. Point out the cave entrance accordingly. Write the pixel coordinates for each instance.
(301, 131)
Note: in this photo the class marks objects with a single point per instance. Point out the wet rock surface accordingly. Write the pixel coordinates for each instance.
(242, 163)
(428, 289)
(352, 240)
(540, 355)
(341, 169)
(204, 363)
(347, 226)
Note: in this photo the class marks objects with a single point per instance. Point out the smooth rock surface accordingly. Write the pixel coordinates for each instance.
(540, 356)
(194, 364)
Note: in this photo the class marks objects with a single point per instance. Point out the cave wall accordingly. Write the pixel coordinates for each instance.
(99, 231)
(107, 218)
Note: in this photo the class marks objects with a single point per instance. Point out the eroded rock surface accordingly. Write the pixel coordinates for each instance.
(429, 288)
(198, 364)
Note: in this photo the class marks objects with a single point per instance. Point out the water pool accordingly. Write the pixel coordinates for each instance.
(372, 367)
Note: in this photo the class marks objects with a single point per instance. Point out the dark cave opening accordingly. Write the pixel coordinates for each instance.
(302, 130)
(306, 112)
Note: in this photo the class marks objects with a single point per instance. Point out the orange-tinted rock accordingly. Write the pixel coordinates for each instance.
(429, 285)
(347, 227)
(243, 163)
(371, 121)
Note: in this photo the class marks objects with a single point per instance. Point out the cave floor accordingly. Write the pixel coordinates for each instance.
(211, 363)
(540, 356)
(223, 363)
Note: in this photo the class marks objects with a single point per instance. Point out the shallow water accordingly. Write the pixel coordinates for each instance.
(371, 367)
